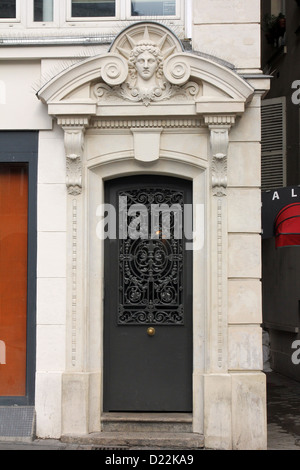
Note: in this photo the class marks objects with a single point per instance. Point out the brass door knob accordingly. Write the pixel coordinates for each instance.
(151, 331)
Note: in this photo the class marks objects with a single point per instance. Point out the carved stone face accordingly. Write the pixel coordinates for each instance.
(146, 65)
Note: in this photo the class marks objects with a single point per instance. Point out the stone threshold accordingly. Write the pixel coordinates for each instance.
(139, 422)
(138, 440)
(151, 417)
(142, 431)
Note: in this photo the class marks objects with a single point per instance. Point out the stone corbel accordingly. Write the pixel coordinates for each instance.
(74, 130)
(219, 140)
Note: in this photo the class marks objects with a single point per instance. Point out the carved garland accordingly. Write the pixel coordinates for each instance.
(165, 92)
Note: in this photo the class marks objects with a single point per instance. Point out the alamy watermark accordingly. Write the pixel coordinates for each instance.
(159, 221)
(296, 94)
(2, 353)
(296, 353)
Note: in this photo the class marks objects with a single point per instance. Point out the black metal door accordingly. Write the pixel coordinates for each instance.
(148, 297)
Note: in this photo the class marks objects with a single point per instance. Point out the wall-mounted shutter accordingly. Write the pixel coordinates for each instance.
(273, 140)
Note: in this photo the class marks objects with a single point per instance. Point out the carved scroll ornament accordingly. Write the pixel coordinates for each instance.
(74, 145)
(219, 142)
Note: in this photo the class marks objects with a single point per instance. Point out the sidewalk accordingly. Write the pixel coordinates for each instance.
(283, 409)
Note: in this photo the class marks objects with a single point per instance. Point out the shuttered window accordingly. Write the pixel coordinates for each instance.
(273, 139)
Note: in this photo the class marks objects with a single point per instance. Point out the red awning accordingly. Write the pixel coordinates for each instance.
(287, 226)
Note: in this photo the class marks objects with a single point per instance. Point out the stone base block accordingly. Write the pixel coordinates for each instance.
(80, 409)
(235, 411)
(249, 415)
(48, 405)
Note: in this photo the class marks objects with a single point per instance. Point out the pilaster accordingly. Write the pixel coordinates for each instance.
(217, 404)
(76, 379)
(219, 127)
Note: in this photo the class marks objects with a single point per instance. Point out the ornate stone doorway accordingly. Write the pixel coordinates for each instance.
(147, 107)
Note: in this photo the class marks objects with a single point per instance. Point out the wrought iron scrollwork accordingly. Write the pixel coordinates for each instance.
(151, 265)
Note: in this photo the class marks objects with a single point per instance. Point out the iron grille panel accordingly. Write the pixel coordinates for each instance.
(151, 265)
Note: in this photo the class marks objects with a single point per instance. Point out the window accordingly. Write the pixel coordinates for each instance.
(93, 8)
(43, 10)
(154, 8)
(49, 14)
(112, 8)
(277, 7)
(8, 9)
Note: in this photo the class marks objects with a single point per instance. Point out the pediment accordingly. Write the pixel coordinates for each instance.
(146, 71)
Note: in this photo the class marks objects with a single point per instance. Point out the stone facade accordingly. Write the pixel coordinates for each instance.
(198, 119)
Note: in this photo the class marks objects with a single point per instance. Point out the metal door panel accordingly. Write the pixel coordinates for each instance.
(148, 283)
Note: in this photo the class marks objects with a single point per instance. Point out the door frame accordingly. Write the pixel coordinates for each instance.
(99, 171)
(22, 147)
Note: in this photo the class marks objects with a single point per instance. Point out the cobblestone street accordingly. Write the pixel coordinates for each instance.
(283, 413)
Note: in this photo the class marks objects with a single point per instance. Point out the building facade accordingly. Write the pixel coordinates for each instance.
(280, 181)
(110, 110)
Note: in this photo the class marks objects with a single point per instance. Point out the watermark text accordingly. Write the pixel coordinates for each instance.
(296, 353)
(296, 93)
(2, 353)
(159, 221)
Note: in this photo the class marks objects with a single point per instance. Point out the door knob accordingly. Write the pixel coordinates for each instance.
(151, 331)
